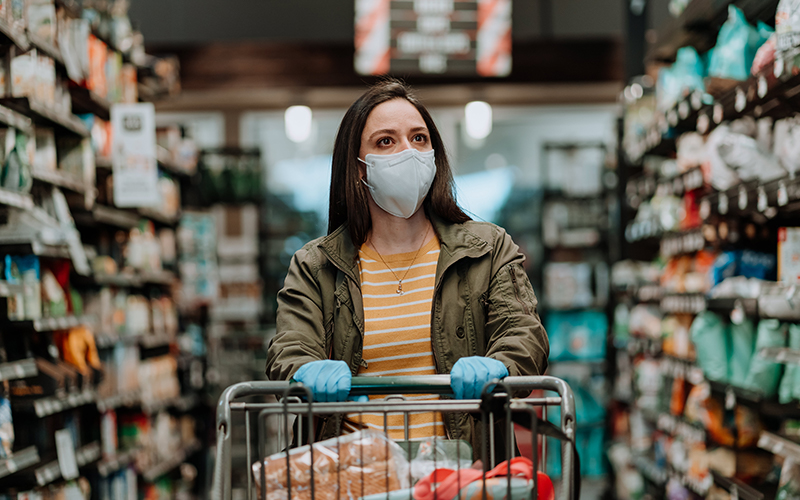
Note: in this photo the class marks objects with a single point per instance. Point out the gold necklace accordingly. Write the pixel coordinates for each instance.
(400, 280)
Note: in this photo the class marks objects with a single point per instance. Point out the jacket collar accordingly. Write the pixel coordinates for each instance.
(456, 240)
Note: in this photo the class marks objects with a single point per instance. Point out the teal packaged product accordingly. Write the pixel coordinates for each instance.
(24, 270)
(743, 341)
(577, 335)
(712, 345)
(764, 375)
(788, 389)
(736, 47)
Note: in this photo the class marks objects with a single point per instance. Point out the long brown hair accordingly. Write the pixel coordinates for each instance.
(348, 198)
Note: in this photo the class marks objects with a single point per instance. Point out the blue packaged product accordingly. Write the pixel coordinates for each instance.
(6, 429)
(758, 265)
(725, 266)
(577, 335)
(737, 44)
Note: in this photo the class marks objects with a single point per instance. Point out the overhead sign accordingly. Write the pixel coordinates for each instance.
(133, 155)
(454, 37)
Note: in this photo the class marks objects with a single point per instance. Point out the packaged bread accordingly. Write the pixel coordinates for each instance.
(352, 466)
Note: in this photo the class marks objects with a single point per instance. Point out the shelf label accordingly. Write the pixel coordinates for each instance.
(697, 99)
(67, 461)
(742, 198)
(703, 122)
(134, 155)
(705, 209)
(718, 113)
(723, 203)
(762, 199)
(762, 86)
(783, 194)
(683, 110)
(740, 101)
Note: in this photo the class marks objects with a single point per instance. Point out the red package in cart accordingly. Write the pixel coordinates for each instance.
(352, 466)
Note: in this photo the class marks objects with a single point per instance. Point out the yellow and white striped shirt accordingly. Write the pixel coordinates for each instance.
(397, 332)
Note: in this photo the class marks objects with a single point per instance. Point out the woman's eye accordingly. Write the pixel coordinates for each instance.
(420, 138)
(384, 142)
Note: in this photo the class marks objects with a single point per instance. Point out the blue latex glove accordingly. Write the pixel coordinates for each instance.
(328, 380)
(469, 375)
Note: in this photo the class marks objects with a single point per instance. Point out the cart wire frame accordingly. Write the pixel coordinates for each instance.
(296, 400)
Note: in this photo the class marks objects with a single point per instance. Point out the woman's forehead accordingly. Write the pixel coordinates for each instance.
(394, 112)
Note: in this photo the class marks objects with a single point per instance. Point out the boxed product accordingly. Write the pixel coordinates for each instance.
(42, 20)
(789, 255)
(352, 466)
(577, 335)
(45, 157)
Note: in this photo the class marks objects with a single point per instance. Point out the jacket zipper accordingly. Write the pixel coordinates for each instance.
(516, 290)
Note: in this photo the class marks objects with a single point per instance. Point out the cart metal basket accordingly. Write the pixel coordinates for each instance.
(279, 403)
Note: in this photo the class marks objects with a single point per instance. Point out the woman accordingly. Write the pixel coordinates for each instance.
(404, 283)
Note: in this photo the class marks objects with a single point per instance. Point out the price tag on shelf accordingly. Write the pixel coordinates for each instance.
(719, 113)
(730, 399)
(672, 117)
(683, 110)
(783, 194)
(762, 86)
(762, 199)
(741, 100)
(705, 209)
(742, 198)
(67, 461)
(703, 122)
(734, 492)
(696, 99)
(737, 314)
(777, 69)
(723, 203)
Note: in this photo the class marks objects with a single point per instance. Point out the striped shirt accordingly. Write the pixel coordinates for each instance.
(397, 332)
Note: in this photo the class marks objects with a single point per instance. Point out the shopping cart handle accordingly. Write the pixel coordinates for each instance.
(421, 384)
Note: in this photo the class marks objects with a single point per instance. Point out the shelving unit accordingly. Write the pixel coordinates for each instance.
(741, 218)
(47, 393)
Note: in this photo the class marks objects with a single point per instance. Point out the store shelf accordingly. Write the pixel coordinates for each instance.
(16, 200)
(651, 471)
(46, 48)
(172, 463)
(678, 427)
(736, 488)
(86, 101)
(53, 324)
(680, 243)
(182, 404)
(17, 37)
(40, 113)
(778, 445)
(127, 399)
(644, 345)
(16, 120)
(115, 217)
(109, 466)
(683, 303)
(51, 472)
(60, 179)
(24, 246)
(166, 164)
(47, 406)
(682, 368)
(165, 278)
(8, 289)
(103, 162)
(781, 355)
(153, 340)
(15, 370)
(156, 216)
(18, 461)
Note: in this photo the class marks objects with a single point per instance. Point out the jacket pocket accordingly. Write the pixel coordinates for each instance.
(519, 293)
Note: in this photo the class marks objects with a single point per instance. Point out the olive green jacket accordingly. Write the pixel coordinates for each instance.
(483, 305)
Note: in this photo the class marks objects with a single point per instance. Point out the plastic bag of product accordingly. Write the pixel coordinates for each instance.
(741, 152)
(788, 390)
(764, 375)
(786, 143)
(711, 344)
(435, 453)
(736, 47)
(691, 149)
(787, 26)
(720, 175)
(743, 340)
(702, 408)
(356, 465)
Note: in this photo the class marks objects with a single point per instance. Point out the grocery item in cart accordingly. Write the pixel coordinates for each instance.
(352, 466)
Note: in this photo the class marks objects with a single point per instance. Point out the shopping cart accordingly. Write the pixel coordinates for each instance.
(292, 401)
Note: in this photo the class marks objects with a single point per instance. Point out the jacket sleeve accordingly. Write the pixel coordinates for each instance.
(515, 333)
(300, 335)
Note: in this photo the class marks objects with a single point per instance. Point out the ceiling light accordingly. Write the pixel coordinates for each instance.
(297, 122)
(478, 119)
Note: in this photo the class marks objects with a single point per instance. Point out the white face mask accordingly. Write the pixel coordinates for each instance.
(400, 182)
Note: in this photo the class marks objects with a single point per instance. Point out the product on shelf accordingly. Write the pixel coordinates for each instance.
(577, 335)
(736, 47)
(24, 270)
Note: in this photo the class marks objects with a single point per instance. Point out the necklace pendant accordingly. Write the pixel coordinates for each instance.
(400, 288)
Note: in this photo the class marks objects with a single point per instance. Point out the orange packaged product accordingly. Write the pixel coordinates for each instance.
(352, 466)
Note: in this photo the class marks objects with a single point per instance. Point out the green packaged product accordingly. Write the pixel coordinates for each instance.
(711, 343)
(743, 341)
(764, 375)
(788, 389)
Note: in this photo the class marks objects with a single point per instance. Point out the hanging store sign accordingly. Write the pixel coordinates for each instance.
(454, 37)
(134, 155)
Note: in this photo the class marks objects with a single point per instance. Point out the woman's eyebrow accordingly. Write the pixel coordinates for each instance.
(387, 131)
